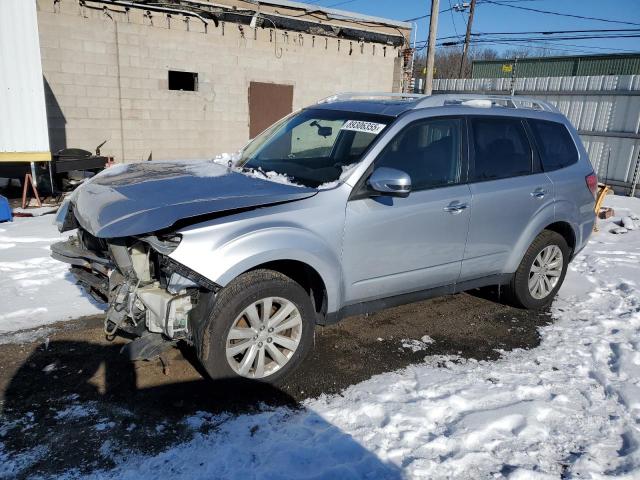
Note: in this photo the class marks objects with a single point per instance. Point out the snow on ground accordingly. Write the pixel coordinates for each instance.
(569, 408)
(417, 345)
(35, 289)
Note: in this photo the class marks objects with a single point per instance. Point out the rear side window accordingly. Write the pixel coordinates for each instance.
(555, 144)
(501, 148)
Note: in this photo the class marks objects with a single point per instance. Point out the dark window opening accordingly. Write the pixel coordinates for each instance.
(185, 81)
(428, 150)
(501, 149)
(554, 143)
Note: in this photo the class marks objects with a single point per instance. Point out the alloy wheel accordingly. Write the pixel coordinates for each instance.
(264, 337)
(545, 272)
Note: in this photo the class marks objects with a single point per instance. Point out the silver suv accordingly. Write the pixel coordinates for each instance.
(353, 205)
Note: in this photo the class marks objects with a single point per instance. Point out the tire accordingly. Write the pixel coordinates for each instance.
(248, 293)
(518, 291)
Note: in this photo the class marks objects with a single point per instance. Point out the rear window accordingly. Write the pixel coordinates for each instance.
(501, 148)
(555, 144)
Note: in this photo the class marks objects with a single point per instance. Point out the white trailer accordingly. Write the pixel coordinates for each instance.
(24, 135)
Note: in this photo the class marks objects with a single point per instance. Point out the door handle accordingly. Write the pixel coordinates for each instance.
(539, 193)
(455, 208)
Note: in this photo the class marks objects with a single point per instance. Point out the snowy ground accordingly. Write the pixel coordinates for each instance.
(567, 409)
(35, 289)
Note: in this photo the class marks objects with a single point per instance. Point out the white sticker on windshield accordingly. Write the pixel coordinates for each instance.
(360, 126)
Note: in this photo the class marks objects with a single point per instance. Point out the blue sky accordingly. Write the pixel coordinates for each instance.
(495, 18)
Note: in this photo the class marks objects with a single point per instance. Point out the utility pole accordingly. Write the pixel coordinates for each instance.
(467, 37)
(514, 73)
(431, 52)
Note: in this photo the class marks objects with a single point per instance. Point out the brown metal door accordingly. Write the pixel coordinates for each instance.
(268, 103)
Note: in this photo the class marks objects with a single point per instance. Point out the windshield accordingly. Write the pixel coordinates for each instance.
(313, 147)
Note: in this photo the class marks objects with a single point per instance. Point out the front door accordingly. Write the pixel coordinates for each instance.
(396, 245)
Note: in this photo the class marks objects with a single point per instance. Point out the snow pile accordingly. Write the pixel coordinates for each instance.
(231, 159)
(626, 223)
(203, 168)
(346, 171)
(567, 409)
(225, 158)
(417, 345)
(273, 176)
(35, 289)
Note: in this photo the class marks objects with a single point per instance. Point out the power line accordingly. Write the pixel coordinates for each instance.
(542, 48)
(519, 40)
(579, 49)
(590, 47)
(550, 32)
(426, 16)
(453, 19)
(562, 48)
(340, 3)
(529, 39)
(582, 17)
(479, 36)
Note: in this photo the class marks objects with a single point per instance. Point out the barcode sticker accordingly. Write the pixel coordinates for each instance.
(360, 126)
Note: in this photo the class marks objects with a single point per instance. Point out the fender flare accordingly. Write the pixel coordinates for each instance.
(245, 252)
(543, 218)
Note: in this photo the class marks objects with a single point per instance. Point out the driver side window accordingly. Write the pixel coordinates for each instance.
(428, 150)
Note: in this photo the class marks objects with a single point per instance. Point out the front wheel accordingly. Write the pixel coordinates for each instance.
(541, 271)
(261, 328)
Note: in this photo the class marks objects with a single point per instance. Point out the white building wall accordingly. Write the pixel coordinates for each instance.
(107, 78)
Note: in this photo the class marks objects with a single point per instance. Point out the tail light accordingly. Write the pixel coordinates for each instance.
(592, 184)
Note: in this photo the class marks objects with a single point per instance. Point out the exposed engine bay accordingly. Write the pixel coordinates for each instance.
(125, 234)
(145, 289)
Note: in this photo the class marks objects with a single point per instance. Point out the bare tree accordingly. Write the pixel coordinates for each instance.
(447, 61)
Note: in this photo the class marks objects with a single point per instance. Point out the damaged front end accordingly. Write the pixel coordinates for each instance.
(147, 292)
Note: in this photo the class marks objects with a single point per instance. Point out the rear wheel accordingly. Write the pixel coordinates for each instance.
(261, 328)
(541, 271)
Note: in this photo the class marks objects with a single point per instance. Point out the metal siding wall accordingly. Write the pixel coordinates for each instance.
(609, 66)
(23, 118)
(595, 105)
(560, 66)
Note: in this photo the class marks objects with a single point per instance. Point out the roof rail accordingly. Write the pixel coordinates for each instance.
(372, 96)
(485, 101)
(418, 100)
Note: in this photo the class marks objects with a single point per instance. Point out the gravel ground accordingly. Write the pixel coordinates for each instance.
(77, 397)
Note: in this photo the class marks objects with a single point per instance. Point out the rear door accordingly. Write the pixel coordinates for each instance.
(561, 162)
(508, 189)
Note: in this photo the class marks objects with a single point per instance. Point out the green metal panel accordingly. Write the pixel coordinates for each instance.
(625, 64)
(609, 66)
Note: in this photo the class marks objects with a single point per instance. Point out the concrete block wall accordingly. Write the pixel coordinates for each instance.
(106, 78)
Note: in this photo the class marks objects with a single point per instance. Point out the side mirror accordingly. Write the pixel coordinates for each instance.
(391, 182)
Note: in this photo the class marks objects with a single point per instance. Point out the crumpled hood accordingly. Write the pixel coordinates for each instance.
(134, 199)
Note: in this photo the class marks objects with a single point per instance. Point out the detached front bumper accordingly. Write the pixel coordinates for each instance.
(89, 269)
